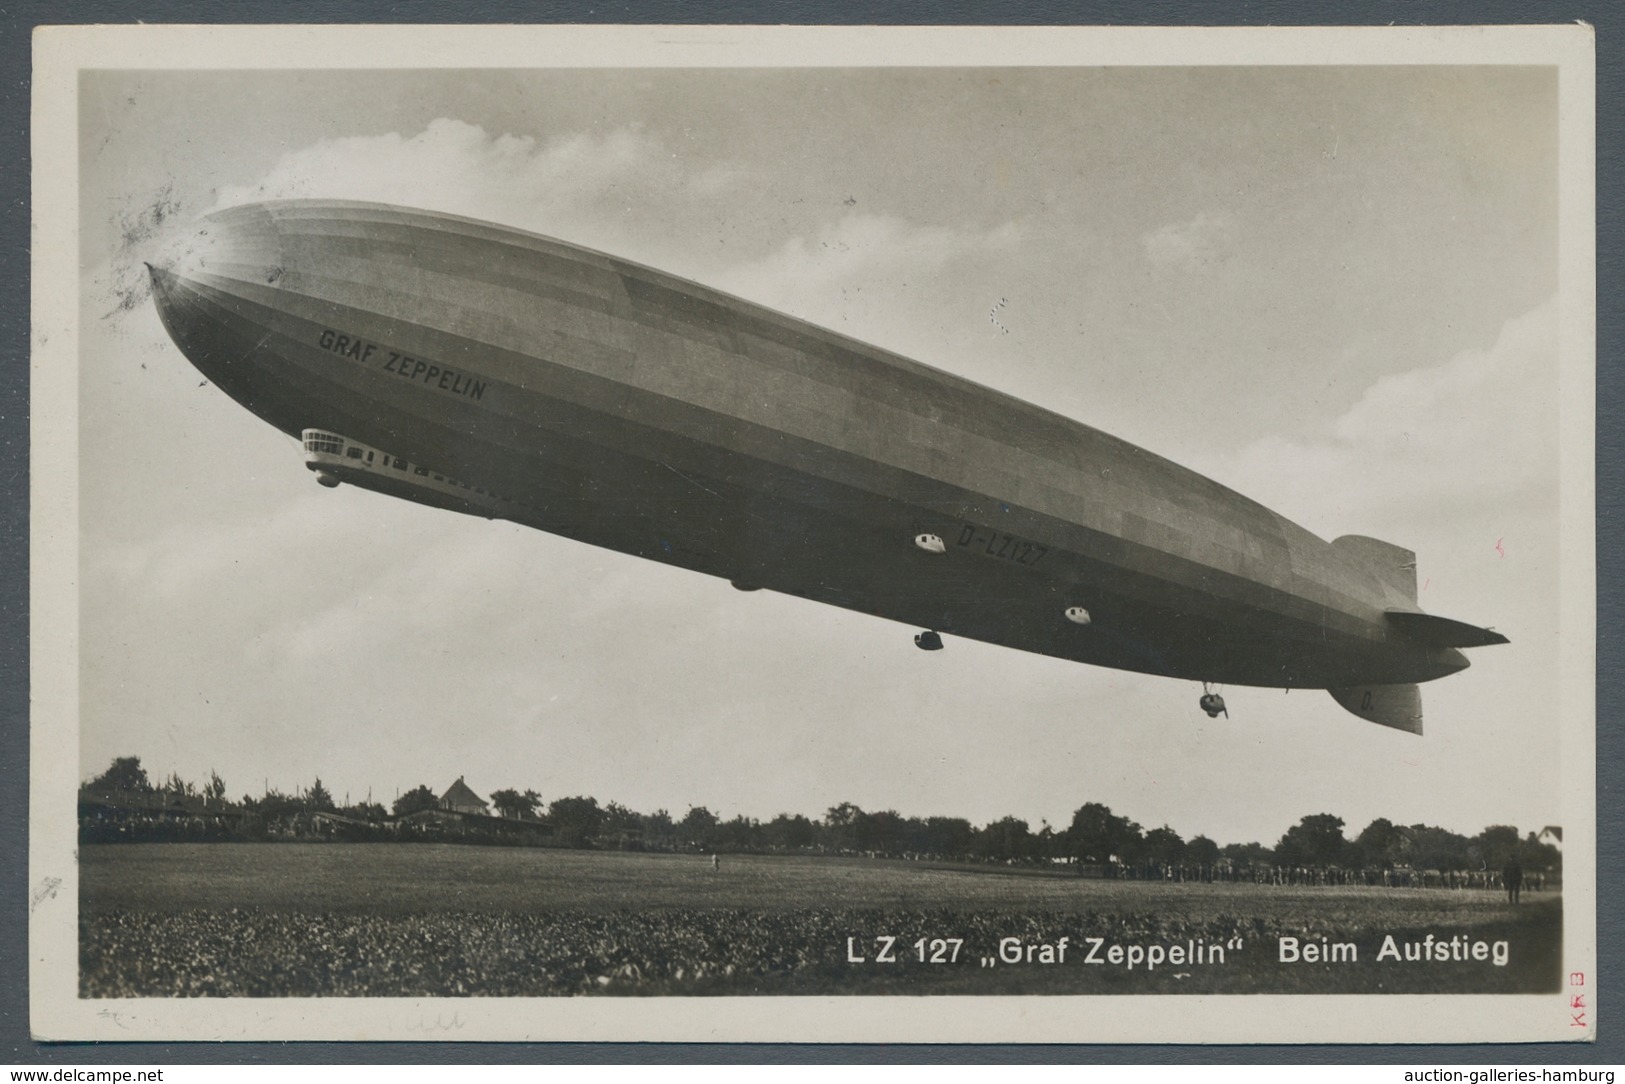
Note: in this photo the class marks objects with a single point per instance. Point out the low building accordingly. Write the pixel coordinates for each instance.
(456, 826)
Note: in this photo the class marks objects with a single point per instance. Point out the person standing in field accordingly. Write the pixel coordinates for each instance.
(1512, 877)
(716, 861)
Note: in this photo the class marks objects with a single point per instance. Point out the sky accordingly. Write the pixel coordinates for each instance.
(1332, 289)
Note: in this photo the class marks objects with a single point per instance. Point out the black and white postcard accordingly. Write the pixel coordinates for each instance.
(804, 534)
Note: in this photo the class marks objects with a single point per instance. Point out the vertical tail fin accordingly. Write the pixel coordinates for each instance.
(1393, 566)
(1398, 706)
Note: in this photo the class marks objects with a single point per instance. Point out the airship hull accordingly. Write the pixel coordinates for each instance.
(626, 408)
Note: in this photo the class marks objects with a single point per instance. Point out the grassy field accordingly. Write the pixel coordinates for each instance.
(400, 920)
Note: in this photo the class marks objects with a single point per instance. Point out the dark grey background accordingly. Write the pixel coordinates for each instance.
(20, 18)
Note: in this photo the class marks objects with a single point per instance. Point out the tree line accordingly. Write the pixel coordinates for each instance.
(1096, 836)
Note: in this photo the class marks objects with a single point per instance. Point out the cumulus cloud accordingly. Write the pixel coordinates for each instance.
(630, 192)
(623, 189)
(1475, 433)
(1203, 241)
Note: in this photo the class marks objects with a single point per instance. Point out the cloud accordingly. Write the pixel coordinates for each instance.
(630, 192)
(623, 190)
(1203, 241)
(1475, 435)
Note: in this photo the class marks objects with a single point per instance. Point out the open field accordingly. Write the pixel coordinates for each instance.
(404, 920)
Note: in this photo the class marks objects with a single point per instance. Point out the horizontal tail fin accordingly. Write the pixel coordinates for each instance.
(1441, 631)
(1398, 706)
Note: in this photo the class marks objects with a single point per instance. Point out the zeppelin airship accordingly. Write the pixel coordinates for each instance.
(504, 374)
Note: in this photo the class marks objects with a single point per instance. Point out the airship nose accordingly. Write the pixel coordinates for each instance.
(163, 289)
(166, 295)
(159, 277)
(164, 279)
(210, 292)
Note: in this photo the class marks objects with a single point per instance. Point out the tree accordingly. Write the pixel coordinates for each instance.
(739, 834)
(1246, 855)
(1047, 844)
(841, 825)
(1164, 845)
(125, 775)
(1317, 840)
(618, 818)
(621, 827)
(1380, 844)
(658, 829)
(273, 804)
(948, 837)
(1498, 844)
(882, 832)
(789, 832)
(366, 811)
(318, 799)
(416, 800)
(1426, 847)
(215, 788)
(697, 826)
(1540, 856)
(1005, 838)
(175, 788)
(1100, 837)
(515, 803)
(1202, 851)
(575, 820)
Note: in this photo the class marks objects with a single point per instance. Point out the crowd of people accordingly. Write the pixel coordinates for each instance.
(158, 827)
(1261, 873)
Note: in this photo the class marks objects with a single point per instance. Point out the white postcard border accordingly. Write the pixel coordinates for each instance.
(59, 1014)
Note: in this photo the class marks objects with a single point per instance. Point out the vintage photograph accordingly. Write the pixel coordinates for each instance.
(815, 519)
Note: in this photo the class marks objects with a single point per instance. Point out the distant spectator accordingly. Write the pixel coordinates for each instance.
(1512, 877)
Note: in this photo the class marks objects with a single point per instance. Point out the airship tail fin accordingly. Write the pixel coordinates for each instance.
(1441, 631)
(1398, 706)
(1393, 566)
